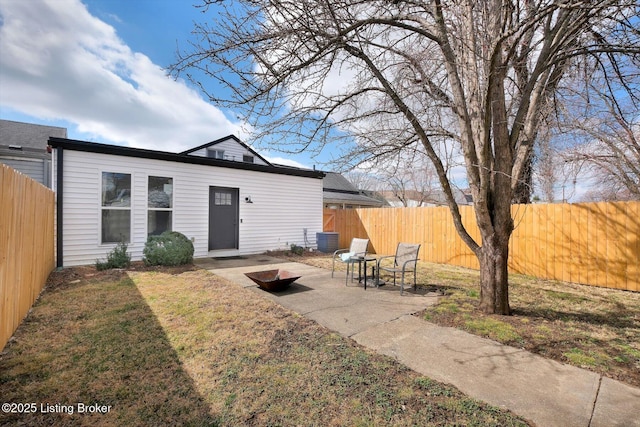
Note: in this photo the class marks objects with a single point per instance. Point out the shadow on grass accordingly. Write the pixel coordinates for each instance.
(618, 317)
(615, 319)
(97, 343)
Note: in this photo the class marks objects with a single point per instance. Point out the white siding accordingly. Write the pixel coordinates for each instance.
(282, 205)
(37, 169)
(232, 151)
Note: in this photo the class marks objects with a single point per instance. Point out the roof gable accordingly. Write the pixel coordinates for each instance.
(230, 138)
(116, 150)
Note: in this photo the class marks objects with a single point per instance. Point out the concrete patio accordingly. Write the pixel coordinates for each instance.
(544, 391)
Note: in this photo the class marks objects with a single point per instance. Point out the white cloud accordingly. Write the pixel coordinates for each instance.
(58, 62)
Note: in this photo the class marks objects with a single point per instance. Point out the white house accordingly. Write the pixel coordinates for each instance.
(222, 195)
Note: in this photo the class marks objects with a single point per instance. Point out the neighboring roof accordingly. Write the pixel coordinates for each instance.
(92, 147)
(338, 189)
(28, 136)
(226, 138)
(335, 181)
(351, 199)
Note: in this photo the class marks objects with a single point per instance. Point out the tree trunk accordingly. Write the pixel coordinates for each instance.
(524, 188)
(494, 279)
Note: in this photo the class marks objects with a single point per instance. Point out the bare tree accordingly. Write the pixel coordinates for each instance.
(546, 166)
(413, 76)
(413, 186)
(411, 181)
(403, 182)
(367, 181)
(604, 123)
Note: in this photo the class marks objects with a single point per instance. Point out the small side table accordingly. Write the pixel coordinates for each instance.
(373, 270)
(362, 262)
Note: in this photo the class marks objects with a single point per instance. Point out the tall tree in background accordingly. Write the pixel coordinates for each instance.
(413, 186)
(414, 75)
(604, 125)
(547, 166)
(410, 181)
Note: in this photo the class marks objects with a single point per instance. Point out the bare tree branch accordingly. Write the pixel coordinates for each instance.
(402, 76)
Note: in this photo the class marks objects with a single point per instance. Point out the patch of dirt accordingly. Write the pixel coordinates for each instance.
(70, 276)
(290, 255)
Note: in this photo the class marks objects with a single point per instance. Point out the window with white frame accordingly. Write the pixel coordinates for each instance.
(215, 154)
(116, 207)
(160, 205)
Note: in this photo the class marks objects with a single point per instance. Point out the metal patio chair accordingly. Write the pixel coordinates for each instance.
(405, 260)
(357, 250)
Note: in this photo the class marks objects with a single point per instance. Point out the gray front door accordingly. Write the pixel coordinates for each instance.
(223, 218)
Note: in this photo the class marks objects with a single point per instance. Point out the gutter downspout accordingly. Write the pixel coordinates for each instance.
(59, 206)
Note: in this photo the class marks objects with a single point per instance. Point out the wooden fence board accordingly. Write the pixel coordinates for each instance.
(583, 253)
(26, 246)
(591, 243)
(616, 264)
(633, 248)
(530, 250)
(599, 268)
(564, 233)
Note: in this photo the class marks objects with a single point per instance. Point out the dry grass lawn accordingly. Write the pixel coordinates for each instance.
(183, 347)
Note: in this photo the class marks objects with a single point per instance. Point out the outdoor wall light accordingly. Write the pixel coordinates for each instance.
(248, 199)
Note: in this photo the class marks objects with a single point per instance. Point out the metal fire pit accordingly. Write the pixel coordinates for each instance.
(273, 280)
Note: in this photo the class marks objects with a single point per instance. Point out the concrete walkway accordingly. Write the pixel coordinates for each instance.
(544, 391)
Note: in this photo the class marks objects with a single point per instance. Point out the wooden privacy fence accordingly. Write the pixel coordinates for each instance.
(26, 246)
(590, 243)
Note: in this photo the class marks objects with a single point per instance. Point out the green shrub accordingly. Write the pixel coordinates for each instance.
(169, 248)
(117, 258)
(298, 250)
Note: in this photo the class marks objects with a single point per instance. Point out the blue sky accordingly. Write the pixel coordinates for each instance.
(96, 67)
